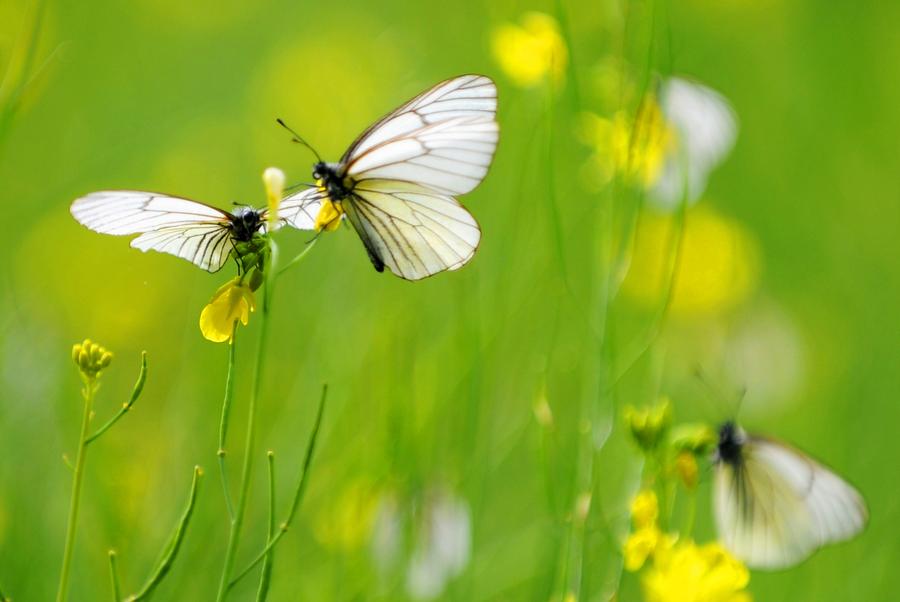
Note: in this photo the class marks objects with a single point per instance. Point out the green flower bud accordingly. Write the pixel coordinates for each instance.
(649, 426)
(256, 280)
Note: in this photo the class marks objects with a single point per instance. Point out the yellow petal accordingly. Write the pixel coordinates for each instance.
(231, 303)
(329, 216)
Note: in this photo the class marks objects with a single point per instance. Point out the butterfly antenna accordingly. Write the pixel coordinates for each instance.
(298, 138)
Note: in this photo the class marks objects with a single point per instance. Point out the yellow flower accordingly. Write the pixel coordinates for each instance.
(690, 573)
(649, 425)
(686, 468)
(716, 270)
(90, 358)
(531, 52)
(273, 178)
(639, 546)
(645, 509)
(329, 217)
(232, 302)
(636, 148)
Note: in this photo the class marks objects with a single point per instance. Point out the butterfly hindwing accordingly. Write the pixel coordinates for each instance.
(414, 231)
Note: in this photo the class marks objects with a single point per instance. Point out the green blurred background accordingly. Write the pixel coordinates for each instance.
(433, 384)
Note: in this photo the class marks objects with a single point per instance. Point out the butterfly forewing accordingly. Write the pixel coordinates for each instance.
(467, 96)
(181, 227)
(450, 156)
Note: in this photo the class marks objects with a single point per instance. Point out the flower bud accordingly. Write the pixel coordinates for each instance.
(256, 279)
(649, 426)
(273, 178)
(90, 358)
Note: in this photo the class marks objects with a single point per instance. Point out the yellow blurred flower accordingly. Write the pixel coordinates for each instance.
(717, 267)
(636, 148)
(690, 573)
(530, 52)
(347, 523)
(645, 509)
(233, 302)
(648, 426)
(639, 546)
(686, 469)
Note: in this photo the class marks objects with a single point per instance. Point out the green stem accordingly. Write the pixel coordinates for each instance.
(266, 575)
(114, 576)
(170, 551)
(135, 393)
(237, 522)
(223, 424)
(88, 394)
(300, 256)
(298, 492)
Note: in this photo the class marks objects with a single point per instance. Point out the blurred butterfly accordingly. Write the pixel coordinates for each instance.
(398, 181)
(202, 234)
(775, 505)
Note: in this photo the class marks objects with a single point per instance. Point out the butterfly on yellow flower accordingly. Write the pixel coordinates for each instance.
(397, 182)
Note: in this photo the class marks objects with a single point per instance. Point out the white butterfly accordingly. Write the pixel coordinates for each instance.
(200, 233)
(397, 182)
(775, 505)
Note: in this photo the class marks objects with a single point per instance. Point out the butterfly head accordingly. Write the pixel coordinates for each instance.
(329, 178)
(731, 442)
(246, 223)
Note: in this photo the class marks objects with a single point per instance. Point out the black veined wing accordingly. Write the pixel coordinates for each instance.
(200, 233)
(301, 208)
(398, 180)
(775, 505)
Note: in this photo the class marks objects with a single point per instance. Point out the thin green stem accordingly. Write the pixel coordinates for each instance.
(88, 394)
(114, 576)
(300, 256)
(555, 217)
(170, 551)
(298, 492)
(266, 575)
(223, 424)
(237, 522)
(135, 393)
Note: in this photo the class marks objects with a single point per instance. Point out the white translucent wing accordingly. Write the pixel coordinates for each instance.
(181, 227)
(301, 208)
(451, 157)
(779, 506)
(466, 96)
(414, 231)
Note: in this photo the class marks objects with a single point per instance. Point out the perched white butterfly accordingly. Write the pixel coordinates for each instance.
(774, 505)
(397, 182)
(200, 233)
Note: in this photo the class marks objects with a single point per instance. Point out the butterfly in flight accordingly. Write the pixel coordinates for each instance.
(775, 505)
(397, 182)
(202, 234)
